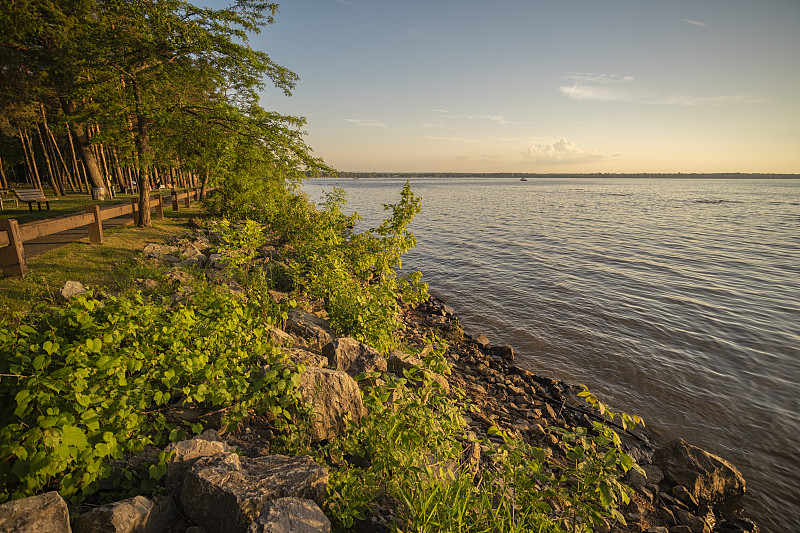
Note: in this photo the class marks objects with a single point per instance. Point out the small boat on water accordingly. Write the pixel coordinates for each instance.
(523, 179)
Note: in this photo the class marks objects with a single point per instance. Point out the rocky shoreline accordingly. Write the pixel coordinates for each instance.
(210, 488)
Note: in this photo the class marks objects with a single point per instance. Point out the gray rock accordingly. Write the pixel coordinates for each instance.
(216, 262)
(652, 475)
(158, 251)
(71, 289)
(333, 395)
(290, 515)
(682, 494)
(279, 337)
(311, 327)
(186, 454)
(226, 493)
(45, 513)
(194, 261)
(483, 342)
(696, 524)
(707, 477)
(349, 355)
(307, 357)
(399, 362)
(134, 515)
(503, 352)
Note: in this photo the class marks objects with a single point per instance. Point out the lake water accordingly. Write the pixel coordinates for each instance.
(678, 300)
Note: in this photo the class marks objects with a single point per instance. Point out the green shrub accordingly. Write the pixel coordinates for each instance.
(95, 380)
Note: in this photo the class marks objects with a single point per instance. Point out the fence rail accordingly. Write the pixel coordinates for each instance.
(13, 235)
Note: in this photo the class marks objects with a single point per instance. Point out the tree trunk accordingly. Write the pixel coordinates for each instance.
(3, 179)
(117, 166)
(82, 145)
(143, 147)
(75, 164)
(51, 175)
(30, 162)
(203, 183)
(62, 173)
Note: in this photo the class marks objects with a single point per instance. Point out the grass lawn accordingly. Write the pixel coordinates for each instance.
(111, 265)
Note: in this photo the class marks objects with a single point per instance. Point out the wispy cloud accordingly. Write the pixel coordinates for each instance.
(353, 6)
(617, 88)
(451, 139)
(439, 126)
(560, 151)
(366, 122)
(500, 119)
(698, 23)
(446, 113)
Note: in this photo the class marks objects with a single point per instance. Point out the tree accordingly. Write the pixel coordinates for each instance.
(166, 80)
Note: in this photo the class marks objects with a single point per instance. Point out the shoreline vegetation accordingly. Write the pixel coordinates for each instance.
(278, 370)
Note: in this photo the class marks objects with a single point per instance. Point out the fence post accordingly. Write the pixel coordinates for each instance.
(174, 200)
(12, 257)
(186, 203)
(134, 211)
(95, 229)
(160, 207)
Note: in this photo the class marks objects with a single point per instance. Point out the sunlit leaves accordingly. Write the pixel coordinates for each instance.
(98, 390)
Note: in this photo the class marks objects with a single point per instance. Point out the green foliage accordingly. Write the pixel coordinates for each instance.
(355, 273)
(96, 379)
(240, 244)
(387, 457)
(408, 435)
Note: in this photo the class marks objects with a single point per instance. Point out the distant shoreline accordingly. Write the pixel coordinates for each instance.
(518, 175)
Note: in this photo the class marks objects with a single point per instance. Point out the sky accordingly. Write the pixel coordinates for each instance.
(564, 86)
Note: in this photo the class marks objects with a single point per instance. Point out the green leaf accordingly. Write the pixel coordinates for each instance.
(74, 436)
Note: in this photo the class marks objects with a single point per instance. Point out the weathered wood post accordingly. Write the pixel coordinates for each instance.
(135, 211)
(186, 202)
(174, 200)
(96, 228)
(160, 207)
(12, 257)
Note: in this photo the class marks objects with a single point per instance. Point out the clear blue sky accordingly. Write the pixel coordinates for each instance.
(544, 86)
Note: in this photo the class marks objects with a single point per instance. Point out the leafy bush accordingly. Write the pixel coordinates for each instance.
(96, 379)
(408, 435)
(356, 273)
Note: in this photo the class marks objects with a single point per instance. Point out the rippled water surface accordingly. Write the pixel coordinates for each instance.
(678, 300)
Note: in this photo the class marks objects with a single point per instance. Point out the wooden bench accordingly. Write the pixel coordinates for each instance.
(4, 199)
(33, 195)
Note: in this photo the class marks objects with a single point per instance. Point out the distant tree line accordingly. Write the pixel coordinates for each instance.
(532, 175)
(95, 93)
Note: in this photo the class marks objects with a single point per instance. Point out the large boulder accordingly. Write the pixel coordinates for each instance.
(290, 515)
(45, 513)
(185, 454)
(707, 477)
(333, 395)
(134, 515)
(226, 493)
(311, 327)
(349, 355)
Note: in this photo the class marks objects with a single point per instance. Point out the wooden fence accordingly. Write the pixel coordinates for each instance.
(13, 235)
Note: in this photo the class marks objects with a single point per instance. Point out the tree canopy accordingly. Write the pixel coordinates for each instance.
(159, 84)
